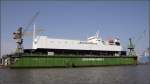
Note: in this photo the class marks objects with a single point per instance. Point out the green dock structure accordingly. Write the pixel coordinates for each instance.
(44, 61)
(52, 52)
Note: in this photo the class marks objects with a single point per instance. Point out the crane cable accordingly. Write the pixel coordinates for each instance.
(30, 23)
(144, 33)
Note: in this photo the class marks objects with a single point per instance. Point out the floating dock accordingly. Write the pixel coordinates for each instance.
(44, 61)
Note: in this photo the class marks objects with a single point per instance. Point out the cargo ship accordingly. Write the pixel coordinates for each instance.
(53, 52)
(94, 45)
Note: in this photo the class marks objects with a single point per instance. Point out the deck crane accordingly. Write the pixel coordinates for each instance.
(18, 35)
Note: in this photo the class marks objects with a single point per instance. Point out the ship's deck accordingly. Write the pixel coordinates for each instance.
(76, 52)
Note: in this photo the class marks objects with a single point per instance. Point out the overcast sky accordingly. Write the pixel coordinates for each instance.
(76, 20)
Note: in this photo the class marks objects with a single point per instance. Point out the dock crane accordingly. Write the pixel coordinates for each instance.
(131, 48)
(18, 35)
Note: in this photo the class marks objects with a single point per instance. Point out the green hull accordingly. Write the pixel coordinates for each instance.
(71, 61)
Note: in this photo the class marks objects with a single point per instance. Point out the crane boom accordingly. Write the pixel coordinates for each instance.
(31, 22)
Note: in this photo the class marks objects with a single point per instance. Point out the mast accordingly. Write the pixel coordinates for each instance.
(97, 34)
(34, 36)
(34, 32)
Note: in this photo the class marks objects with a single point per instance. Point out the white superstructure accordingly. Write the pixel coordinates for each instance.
(92, 43)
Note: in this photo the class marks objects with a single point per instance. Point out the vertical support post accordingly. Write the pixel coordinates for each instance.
(149, 37)
(149, 29)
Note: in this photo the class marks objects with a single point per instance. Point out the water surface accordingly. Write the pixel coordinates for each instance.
(134, 74)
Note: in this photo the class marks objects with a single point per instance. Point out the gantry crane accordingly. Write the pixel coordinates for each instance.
(18, 35)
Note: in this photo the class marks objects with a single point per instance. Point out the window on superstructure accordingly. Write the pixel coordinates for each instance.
(117, 43)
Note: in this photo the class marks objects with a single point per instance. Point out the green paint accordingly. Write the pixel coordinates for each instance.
(67, 61)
